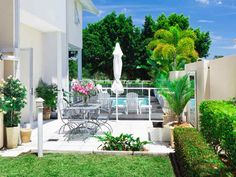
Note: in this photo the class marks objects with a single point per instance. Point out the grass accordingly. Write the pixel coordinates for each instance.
(63, 165)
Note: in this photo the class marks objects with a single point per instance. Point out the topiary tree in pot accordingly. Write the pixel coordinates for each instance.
(48, 92)
(14, 99)
(177, 93)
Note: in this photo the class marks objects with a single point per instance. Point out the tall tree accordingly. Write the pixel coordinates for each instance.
(164, 22)
(202, 43)
(99, 41)
(174, 46)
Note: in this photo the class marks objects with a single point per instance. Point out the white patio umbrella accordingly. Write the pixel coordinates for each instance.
(117, 86)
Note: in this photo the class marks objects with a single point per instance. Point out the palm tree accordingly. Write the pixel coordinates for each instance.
(174, 46)
(177, 93)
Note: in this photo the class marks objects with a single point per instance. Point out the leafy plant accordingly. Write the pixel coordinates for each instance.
(48, 92)
(194, 156)
(177, 93)
(174, 46)
(13, 100)
(124, 142)
(218, 125)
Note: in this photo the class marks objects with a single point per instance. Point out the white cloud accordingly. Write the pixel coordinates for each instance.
(100, 12)
(203, 1)
(205, 21)
(229, 47)
(219, 2)
(124, 10)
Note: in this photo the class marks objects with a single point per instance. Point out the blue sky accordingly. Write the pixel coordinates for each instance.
(216, 16)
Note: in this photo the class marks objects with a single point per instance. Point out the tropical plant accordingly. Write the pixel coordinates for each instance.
(13, 100)
(177, 93)
(175, 46)
(123, 142)
(73, 69)
(48, 92)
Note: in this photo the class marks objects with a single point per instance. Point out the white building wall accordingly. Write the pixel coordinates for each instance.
(222, 78)
(32, 38)
(43, 12)
(1, 70)
(74, 31)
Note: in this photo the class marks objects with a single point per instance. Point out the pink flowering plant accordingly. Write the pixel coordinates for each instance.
(85, 88)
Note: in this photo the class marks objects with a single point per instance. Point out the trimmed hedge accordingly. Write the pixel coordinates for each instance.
(195, 157)
(218, 126)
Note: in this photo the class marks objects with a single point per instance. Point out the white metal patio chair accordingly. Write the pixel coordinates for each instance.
(68, 116)
(132, 103)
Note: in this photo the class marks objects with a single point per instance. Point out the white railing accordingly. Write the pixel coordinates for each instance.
(135, 88)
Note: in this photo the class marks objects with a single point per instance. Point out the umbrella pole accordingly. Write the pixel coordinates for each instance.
(116, 106)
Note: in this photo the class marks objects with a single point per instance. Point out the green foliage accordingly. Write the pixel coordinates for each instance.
(124, 142)
(85, 165)
(168, 56)
(202, 43)
(99, 41)
(173, 47)
(13, 100)
(177, 93)
(218, 125)
(73, 70)
(48, 92)
(195, 157)
(128, 83)
(164, 22)
(100, 38)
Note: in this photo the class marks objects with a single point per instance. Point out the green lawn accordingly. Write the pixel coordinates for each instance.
(86, 165)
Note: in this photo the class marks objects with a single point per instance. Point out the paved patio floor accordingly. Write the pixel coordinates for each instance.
(90, 145)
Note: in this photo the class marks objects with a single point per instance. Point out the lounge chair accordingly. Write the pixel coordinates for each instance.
(105, 100)
(132, 103)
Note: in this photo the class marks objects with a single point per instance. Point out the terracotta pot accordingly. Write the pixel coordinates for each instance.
(169, 117)
(1, 131)
(12, 136)
(46, 113)
(25, 134)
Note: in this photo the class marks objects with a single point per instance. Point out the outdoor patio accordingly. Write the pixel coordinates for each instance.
(54, 142)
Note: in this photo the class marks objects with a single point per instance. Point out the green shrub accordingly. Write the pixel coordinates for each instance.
(218, 125)
(124, 142)
(48, 93)
(13, 100)
(195, 157)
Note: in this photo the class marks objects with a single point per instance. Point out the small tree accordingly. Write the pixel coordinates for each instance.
(13, 100)
(174, 46)
(177, 93)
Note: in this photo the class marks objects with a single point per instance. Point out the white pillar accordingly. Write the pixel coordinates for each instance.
(39, 105)
(149, 102)
(117, 106)
(79, 61)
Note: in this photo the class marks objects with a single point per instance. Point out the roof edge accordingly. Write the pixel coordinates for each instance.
(89, 6)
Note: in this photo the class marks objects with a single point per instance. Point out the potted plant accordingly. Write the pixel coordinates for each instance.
(85, 89)
(48, 92)
(14, 95)
(177, 93)
(2, 111)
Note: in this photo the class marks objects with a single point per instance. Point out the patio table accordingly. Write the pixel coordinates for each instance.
(89, 118)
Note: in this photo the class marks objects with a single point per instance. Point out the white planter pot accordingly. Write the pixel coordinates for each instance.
(12, 134)
(160, 134)
(1, 131)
